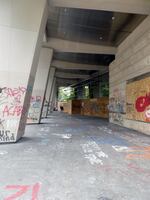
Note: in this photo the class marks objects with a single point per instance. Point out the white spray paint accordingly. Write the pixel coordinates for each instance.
(93, 159)
(93, 153)
(64, 136)
(121, 148)
(53, 125)
(3, 153)
(45, 129)
(105, 129)
(92, 180)
(29, 150)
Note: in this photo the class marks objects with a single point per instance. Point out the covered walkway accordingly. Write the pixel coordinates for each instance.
(76, 158)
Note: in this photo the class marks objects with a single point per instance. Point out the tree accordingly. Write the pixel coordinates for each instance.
(66, 93)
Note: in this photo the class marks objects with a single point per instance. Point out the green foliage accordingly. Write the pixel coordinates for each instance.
(66, 93)
(105, 89)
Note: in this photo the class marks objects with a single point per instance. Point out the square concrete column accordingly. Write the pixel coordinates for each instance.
(21, 34)
(40, 85)
(52, 98)
(48, 92)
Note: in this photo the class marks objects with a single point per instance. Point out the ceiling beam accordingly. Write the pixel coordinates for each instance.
(124, 6)
(65, 82)
(71, 75)
(77, 66)
(78, 47)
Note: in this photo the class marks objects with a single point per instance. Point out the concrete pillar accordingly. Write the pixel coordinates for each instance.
(39, 88)
(52, 98)
(21, 35)
(48, 92)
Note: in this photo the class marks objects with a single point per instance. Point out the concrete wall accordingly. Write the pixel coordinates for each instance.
(132, 60)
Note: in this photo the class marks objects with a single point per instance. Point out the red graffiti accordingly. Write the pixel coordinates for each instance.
(23, 190)
(15, 92)
(142, 102)
(35, 191)
(12, 111)
(36, 99)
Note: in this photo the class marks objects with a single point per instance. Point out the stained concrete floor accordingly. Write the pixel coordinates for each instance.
(76, 158)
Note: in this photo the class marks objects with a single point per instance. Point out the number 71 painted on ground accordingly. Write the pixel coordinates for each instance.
(20, 190)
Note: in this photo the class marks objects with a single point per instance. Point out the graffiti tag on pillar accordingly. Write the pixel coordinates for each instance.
(35, 106)
(11, 109)
(6, 136)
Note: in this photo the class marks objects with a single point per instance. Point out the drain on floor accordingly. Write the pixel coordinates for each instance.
(103, 198)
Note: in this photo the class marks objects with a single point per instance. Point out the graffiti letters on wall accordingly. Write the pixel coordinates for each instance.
(11, 108)
(35, 108)
(138, 100)
(95, 107)
(117, 106)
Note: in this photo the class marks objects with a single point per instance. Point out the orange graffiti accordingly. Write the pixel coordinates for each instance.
(139, 153)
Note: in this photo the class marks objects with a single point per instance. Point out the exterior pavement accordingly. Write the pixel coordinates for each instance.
(76, 158)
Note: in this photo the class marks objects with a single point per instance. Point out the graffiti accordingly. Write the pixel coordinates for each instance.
(15, 93)
(117, 107)
(138, 99)
(44, 111)
(147, 114)
(116, 118)
(135, 152)
(22, 190)
(117, 102)
(35, 106)
(142, 103)
(11, 109)
(139, 153)
(93, 153)
(10, 101)
(6, 136)
(95, 107)
(1, 123)
(36, 100)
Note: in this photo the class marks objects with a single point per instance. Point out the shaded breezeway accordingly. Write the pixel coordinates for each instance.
(76, 158)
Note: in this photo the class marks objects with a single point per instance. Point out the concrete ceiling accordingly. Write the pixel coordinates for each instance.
(59, 64)
(123, 6)
(92, 59)
(61, 45)
(85, 32)
(63, 82)
(91, 26)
